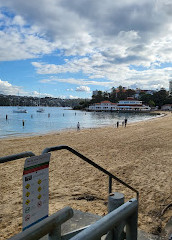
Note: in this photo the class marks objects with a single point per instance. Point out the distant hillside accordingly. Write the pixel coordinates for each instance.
(12, 100)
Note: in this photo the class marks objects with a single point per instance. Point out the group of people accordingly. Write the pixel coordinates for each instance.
(124, 123)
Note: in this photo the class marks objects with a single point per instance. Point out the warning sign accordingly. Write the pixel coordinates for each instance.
(35, 189)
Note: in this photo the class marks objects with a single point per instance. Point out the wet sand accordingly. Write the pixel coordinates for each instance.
(140, 155)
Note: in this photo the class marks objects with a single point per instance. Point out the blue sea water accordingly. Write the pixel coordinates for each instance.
(59, 119)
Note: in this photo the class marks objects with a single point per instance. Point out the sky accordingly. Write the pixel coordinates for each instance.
(69, 48)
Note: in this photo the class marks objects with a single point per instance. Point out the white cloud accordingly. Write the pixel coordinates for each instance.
(54, 80)
(69, 89)
(72, 26)
(68, 97)
(83, 89)
(104, 38)
(72, 97)
(7, 88)
(18, 20)
(38, 94)
(148, 78)
(19, 41)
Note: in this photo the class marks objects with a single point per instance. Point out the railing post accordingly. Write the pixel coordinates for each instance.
(115, 200)
(131, 226)
(55, 234)
(110, 184)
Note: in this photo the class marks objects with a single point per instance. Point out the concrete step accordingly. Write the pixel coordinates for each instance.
(82, 219)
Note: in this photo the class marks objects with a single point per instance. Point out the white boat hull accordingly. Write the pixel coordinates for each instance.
(20, 111)
(41, 110)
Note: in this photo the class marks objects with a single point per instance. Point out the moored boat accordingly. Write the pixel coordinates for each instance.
(41, 110)
(20, 110)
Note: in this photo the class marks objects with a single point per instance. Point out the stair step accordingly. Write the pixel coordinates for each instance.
(83, 219)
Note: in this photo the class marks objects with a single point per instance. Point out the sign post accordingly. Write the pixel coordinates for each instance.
(35, 189)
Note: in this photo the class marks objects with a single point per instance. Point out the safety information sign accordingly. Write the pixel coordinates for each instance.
(35, 189)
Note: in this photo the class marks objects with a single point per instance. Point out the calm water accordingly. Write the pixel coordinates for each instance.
(60, 119)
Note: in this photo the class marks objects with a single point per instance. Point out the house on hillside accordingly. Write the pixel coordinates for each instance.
(139, 91)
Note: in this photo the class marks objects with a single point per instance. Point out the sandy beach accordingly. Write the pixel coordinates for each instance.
(140, 155)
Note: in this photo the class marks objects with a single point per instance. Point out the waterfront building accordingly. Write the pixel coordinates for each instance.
(128, 105)
(103, 106)
(132, 105)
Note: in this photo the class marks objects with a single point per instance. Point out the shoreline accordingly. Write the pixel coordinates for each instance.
(25, 135)
(139, 154)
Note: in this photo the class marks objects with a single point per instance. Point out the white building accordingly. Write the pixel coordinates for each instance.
(129, 105)
(103, 106)
(132, 105)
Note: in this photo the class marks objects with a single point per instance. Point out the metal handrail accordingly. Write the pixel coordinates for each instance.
(111, 176)
(61, 147)
(128, 213)
(16, 156)
(49, 225)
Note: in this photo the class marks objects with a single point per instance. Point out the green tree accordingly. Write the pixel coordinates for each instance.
(146, 98)
(151, 103)
(130, 92)
(113, 95)
(98, 97)
(160, 97)
(106, 95)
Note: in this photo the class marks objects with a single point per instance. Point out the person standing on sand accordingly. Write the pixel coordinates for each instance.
(117, 124)
(78, 126)
(125, 121)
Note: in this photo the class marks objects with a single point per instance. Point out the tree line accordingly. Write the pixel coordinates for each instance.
(157, 98)
(12, 100)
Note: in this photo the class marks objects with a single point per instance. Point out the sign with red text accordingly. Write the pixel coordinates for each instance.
(35, 189)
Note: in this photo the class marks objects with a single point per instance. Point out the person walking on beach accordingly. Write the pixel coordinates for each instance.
(117, 124)
(78, 126)
(125, 121)
(122, 123)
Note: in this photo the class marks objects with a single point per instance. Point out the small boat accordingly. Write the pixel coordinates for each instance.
(41, 110)
(20, 110)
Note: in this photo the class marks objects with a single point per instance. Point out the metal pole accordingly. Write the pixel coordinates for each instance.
(55, 234)
(110, 184)
(131, 226)
(115, 200)
(16, 156)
